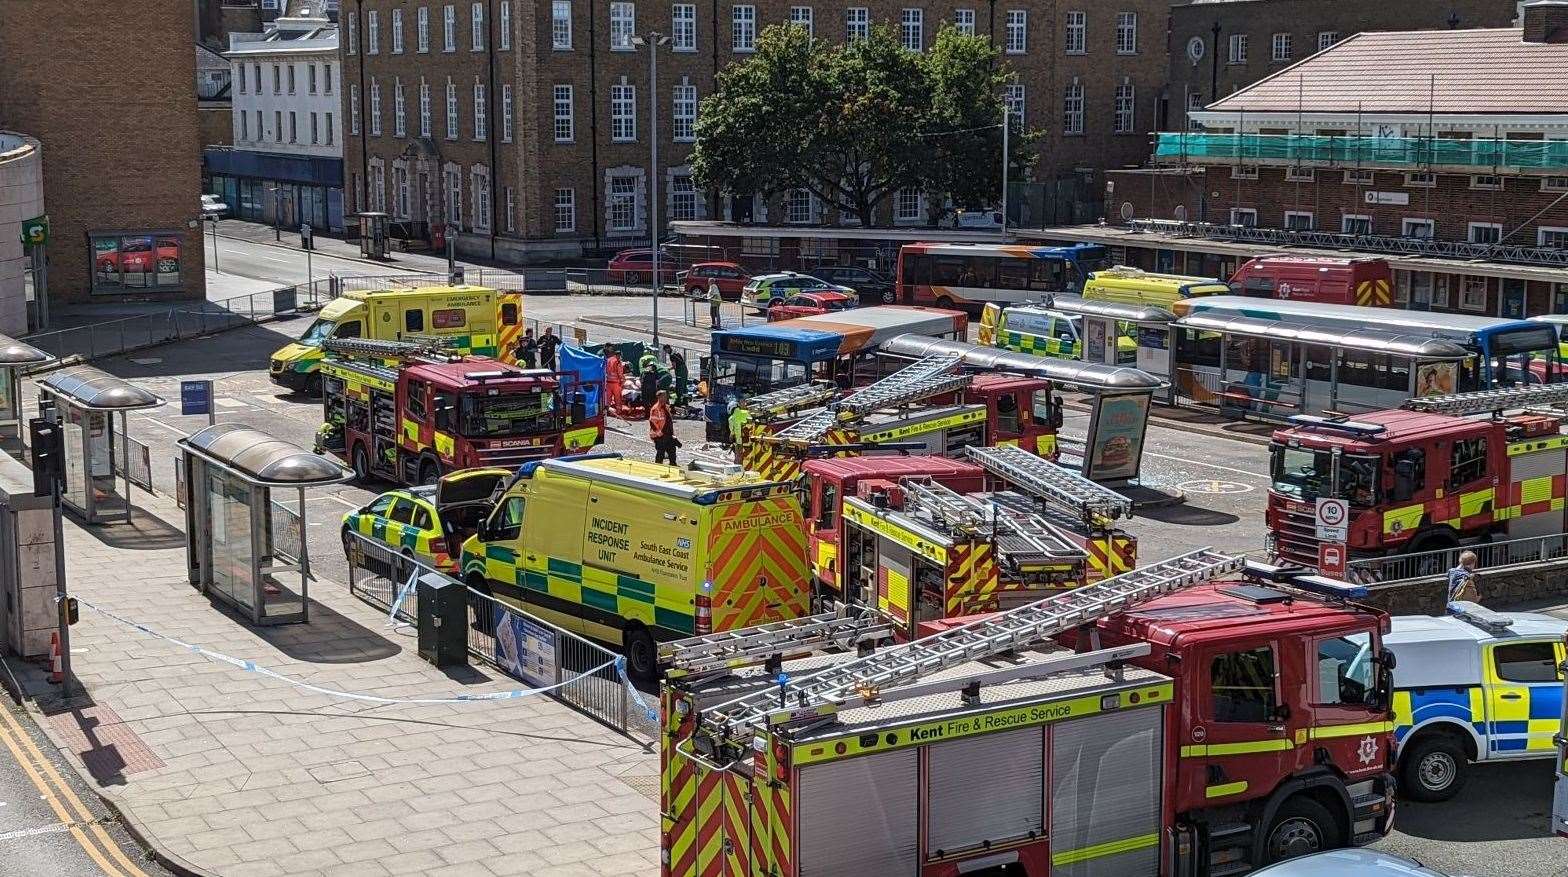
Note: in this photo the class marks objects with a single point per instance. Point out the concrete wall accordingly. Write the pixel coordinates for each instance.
(21, 198)
(1500, 589)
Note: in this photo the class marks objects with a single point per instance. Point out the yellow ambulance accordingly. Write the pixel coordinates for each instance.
(1139, 288)
(476, 319)
(634, 553)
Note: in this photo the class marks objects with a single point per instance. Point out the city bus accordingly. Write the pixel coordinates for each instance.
(759, 359)
(949, 275)
(1287, 357)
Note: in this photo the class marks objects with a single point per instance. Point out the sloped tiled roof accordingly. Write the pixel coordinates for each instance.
(1489, 70)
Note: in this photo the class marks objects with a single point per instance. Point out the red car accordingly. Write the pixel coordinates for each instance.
(636, 266)
(805, 304)
(729, 277)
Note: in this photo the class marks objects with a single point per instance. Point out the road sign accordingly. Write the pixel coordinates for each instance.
(35, 231)
(1332, 515)
(1331, 559)
(196, 397)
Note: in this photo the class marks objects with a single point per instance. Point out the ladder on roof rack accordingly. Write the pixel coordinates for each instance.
(945, 504)
(807, 429)
(1487, 401)
(919, 380)
(791, 398)
(1049, 481)
(815, 696)
(733, 648)
(1020, 536)
(432, 347)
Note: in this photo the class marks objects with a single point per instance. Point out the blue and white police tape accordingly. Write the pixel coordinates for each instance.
(253, 667)
(620, 668)
(402, 594)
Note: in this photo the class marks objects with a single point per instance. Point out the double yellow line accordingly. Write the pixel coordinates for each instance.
(81, 823)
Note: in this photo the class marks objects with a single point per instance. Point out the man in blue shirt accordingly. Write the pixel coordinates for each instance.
(1461, 579)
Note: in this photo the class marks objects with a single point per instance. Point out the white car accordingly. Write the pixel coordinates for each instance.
(977, 219)
(211, 206)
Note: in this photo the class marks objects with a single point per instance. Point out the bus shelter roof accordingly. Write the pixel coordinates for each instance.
(1077, 304)
(1072, 373)
(261, 459)
(15, 353)
(94, 389)
(1371, 340)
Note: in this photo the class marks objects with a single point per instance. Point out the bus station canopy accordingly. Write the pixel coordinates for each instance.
(1070, 373)
(261, 459)
(1077, 304)
(93, 389)
(15, 353)
(1410, 344)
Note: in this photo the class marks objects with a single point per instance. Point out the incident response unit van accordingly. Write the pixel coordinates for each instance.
(1043, 332)
(1139, 288)
(471, 319)
(634, 553)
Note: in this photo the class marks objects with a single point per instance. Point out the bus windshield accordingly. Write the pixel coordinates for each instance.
(1306, 474)
(318, 331)
(750, 376)
(507, 414)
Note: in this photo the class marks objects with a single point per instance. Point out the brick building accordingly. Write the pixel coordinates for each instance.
(122, 160)
(526, 124)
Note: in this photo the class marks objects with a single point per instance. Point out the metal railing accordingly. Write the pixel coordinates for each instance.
(534, 281)
(1400, 153)
(1401, 568)
(288, 533)
(139, 463)
(529, 649)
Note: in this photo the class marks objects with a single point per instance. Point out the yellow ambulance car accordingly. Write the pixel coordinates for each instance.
(1139, 288)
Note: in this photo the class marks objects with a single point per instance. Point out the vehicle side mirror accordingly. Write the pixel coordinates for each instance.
(1056, 412)
(1281, 713)
(1388, 659)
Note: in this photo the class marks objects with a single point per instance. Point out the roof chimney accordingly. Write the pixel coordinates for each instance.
(1546, 21)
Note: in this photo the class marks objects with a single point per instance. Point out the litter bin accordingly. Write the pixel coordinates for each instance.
(443, 620)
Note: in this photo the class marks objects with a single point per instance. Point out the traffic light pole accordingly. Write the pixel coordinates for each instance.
(48, 452)
(61, 595)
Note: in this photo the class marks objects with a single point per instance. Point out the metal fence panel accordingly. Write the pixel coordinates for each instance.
(1399, 568)
(140, 463)
(288, 533)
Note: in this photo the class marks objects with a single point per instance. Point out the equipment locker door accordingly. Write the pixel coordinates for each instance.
(858, 816)
(1105, 784)
(1007, 769)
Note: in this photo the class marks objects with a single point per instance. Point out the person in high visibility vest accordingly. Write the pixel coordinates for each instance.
(614, 378)
(661, 428)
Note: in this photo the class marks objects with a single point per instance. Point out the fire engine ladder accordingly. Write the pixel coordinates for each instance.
(791, 399)
(1096, 503)
(735, 648)
(1487, 401)
(957, 511)
(429, 346)
(1019, 538)
(818, 695)
(920, 380)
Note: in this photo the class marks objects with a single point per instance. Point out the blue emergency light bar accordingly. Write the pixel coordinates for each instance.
(1324, 586)
(1354, 427)
(1480, 616)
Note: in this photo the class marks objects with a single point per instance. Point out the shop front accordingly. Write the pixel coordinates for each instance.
(283, 190)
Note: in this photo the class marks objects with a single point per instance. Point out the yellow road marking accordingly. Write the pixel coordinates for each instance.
(18, 741)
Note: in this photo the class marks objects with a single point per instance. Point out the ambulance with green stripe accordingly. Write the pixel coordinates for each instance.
(429, 522)
(634, 553)
(1041, 331)
(471, 319)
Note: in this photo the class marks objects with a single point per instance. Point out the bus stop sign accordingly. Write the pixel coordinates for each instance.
(1331, 560)
(195, 397)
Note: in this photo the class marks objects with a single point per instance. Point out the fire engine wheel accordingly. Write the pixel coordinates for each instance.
(642, 655)
(361, 464)
(1432, 769)
(1301, 826)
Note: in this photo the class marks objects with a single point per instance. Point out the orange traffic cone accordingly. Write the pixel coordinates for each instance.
(56, 668)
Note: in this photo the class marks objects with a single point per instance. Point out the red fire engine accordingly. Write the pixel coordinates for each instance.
(1427, 476)
(1196, 727)
(408, 412)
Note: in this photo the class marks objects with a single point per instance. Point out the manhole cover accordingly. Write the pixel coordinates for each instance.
(343, 770)
(1213, 485)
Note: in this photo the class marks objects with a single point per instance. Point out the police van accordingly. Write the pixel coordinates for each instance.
(1469, 687)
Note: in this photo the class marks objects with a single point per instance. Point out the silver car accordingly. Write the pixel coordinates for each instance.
(1349, 863)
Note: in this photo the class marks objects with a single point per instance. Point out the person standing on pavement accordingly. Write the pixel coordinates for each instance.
(678, 368)
(527, 349)
(1462, 579)
(714, 302)
(547, 345)
(661, 429)
(649, 378)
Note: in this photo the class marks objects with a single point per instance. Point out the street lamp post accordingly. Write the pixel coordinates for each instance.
(213, 218)
(653, 40)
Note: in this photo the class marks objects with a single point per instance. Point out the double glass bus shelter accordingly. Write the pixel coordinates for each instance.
(14, 357)
(242, 547)
(97, 455)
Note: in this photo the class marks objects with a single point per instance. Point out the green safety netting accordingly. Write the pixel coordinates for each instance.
(1413, 151)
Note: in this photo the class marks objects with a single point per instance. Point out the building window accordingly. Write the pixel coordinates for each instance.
(906, 205)
(372, 32)
(293, 127)
(1281, 44)
(326, 78)
(801, 16)
(683, 27)
(1485, 232)
(1299, 175)
(506, 113)
(511, 211)
(1472, 294)
(1352, 224)
(241, 68)
(1298, 220)
(1238, 49)
(1126, 33)
(454, 197)
(1552, 237)
(481, 119)
(375, 108)
(1359, 178)
(480, 184)
(1486, 181)
(424, 107)
(451, 109)
(291, 78)
(422, 29)
(315, 130)
(353, 109)
(378, 186)
(1327, 38)
(244, 126)
(1013, 100)
(353, 37)
(400, 188)
(399, 126)
(743, 28)
(684, 106)
(1417, 228)
(1421, 180)
(261, 126)
(623, 23)
(797, 206)
(310, 78)
(504, 38)
(565, 210)
(397, 31)
(683, 198)
(1243, 172)
(476, 27)
(564, 128)
(1124, 109)
(134, 263)
(1554, 184)
(623, 112)
(912, 29)
(1017, 31)
(1077, 33)
(1245, 217)
(449, 28)
(328, 123)
(623, 203)
(560, 24)
(1072, 109)
(964, 20)
(857, 23)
